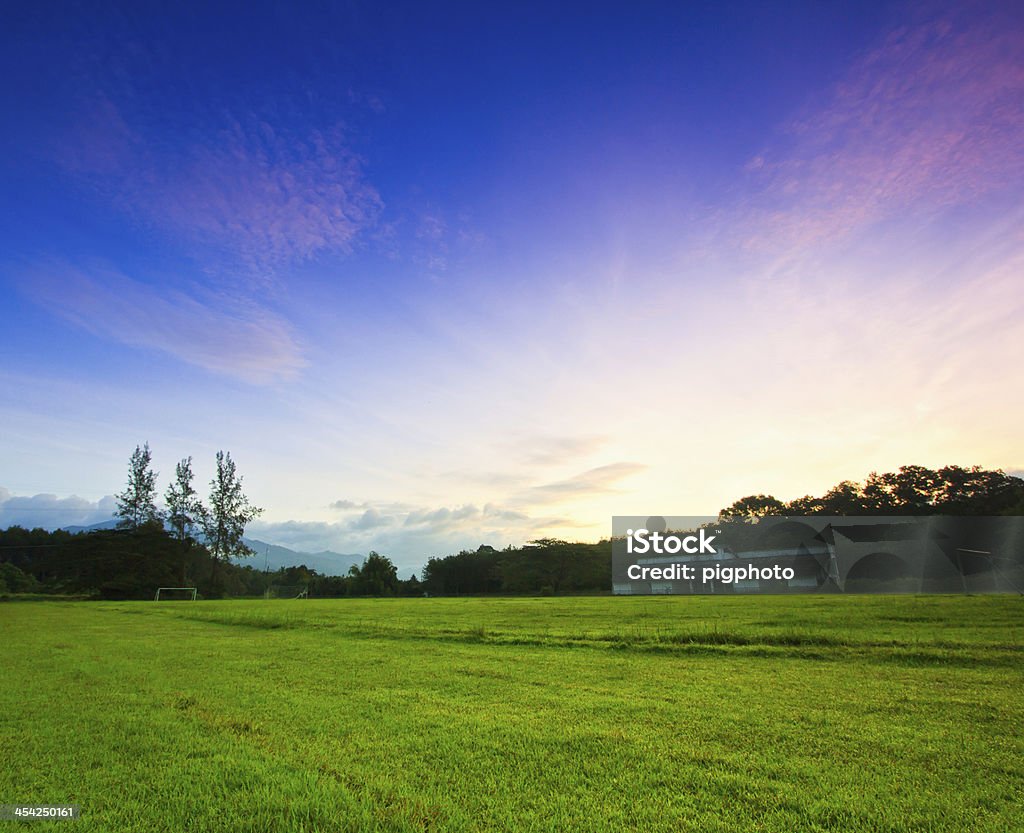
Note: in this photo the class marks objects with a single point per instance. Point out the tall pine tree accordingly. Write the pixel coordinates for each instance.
(136, 505)
(229, 511)
(184, 511)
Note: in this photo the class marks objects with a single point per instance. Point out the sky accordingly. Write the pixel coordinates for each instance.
(441, 275)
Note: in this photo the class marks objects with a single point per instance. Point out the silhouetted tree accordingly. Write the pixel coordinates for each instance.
(912, 490)
(376, 577)
(184, 511)
(225, 520)
(751, 507)
(543, 566)
(136, 505)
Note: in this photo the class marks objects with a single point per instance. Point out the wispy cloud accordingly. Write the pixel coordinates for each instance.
(596, 481)
(932, 117)
(240, 196)
(559, 450)
(271, 195)
(265, 193)
(441, 240)
(873, 254)
(245, 341)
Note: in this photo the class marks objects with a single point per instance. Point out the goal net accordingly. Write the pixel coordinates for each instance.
(175, 594)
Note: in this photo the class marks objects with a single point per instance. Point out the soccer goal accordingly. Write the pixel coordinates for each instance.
(175, 594)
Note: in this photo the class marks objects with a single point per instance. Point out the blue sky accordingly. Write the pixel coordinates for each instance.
(441, 276)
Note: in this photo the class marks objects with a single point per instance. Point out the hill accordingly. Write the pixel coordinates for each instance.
(274, 556)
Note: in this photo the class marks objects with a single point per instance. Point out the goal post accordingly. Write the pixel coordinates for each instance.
(175, 594)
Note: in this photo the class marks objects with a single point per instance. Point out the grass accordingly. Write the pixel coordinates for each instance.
(656, 714)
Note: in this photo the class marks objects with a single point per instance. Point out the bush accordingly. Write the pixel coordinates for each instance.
(13, 580)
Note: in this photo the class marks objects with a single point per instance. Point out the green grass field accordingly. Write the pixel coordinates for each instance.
(691, 713)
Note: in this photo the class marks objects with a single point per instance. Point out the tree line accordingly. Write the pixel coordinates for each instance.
(132, 563)
(376, 576)
(912, 490)
(193, 544)
(547, 567)
(551, 566)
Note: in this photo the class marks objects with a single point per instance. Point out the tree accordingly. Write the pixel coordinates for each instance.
(136, 505)
(184, 510)
(750, 508)
(976, 491)
(377, 577)
(548, 562)
(224, 522)
(913, 490)
(410, 586)
(13, 580)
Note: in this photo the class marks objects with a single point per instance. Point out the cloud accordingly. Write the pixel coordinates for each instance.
(412, 535)
(370, 519)
(495, 512)
(443, 517)
(930, 118)
(52, 512)
(246, 342)
(408, 538)
(873, 254)
(243, 198)
(441, 239)
(559, 450)
(595, 481)
(344, 505)
(431, 227)
(267, 194)
(272, 195)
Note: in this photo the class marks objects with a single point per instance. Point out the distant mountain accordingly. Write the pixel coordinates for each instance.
(271, 556)
(74, 530)
(326, 562)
